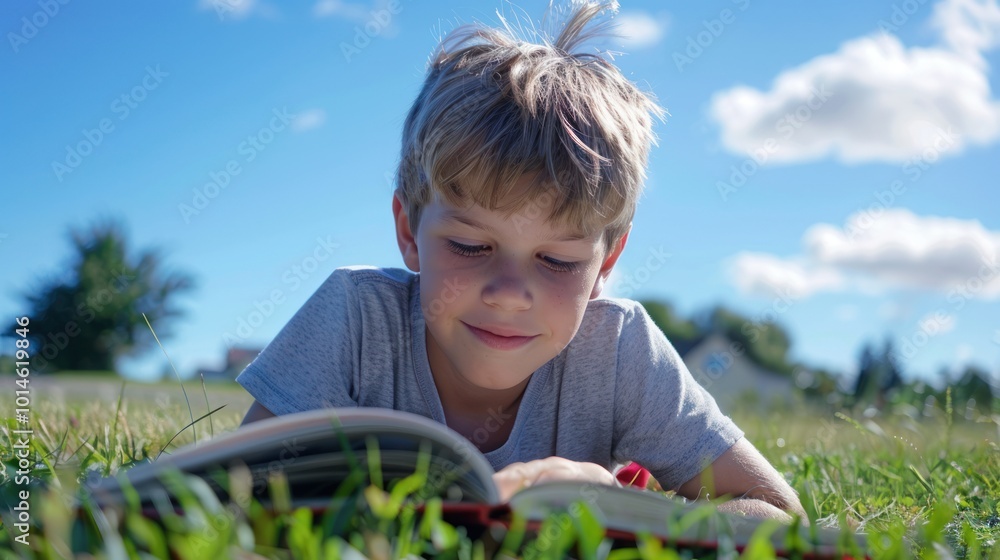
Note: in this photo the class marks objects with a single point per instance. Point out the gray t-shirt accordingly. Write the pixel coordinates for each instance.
(617, 393)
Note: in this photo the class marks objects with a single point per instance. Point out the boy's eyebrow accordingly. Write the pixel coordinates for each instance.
(455, 217)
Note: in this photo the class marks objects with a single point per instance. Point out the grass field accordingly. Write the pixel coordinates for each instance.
(917, 483)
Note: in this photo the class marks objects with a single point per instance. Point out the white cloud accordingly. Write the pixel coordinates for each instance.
(874, 99)
(937, 323)
(901, 249)
(639, 30)
(898, 250)
(306, 120)
(767, 275)
(379, 15)
(229, 10)
(330, 8)
(968, 27)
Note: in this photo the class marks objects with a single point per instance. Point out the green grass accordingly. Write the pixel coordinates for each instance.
(919, 485)
(924, 482)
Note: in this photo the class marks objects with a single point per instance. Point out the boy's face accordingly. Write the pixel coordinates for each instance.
(500, 296)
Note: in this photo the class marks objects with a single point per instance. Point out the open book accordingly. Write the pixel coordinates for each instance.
(317, 451)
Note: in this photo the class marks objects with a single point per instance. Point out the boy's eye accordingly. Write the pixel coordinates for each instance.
(559, 266)
(467, 250)
(481, 250)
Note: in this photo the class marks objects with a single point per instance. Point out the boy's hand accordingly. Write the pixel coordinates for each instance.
(517, 476)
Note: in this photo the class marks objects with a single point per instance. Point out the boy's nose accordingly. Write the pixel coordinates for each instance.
(508, 293)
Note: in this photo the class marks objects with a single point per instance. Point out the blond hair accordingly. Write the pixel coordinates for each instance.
(494, 108)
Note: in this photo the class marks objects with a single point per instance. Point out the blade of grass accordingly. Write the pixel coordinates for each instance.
(193, 422)
(118, 409)
(921, 479)
(177, 375)
(204, 391)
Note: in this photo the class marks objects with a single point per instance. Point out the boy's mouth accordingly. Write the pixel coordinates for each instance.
(500, 341)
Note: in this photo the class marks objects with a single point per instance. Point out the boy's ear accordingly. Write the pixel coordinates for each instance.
(404, 235)
(609, 263)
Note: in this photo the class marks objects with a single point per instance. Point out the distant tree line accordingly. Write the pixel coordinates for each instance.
(765, 343)
(879, 382)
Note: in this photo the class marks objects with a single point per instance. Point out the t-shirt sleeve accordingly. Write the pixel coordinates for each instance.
(664, 419)
(313, 362)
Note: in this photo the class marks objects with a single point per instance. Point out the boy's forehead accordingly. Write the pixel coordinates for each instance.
(554, 231)
(533, 218)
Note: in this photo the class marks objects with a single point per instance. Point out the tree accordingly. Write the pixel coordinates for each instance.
(879, 374)
(766, 343)
(822, 384)
(973, 391)
(89, 317)
(893, 373)
(679, 331)
(868, 371)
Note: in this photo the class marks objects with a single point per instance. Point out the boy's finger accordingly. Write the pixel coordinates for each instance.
(517, 476)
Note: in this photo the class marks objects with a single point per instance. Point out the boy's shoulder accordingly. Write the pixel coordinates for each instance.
(607, 307)
(617, 317)
(369, 289)
(360, 275)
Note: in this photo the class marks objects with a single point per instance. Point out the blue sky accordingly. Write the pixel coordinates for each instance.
(831, 168)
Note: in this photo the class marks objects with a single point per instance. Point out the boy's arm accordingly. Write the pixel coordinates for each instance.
(256, 412)
(744, 474)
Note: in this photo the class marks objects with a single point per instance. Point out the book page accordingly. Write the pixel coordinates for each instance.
(309, 448)
(630, 510)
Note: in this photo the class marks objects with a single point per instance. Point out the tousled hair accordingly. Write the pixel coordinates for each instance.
(494, 108)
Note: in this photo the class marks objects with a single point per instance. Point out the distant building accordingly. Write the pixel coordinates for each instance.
(236, 360)
(724, 370)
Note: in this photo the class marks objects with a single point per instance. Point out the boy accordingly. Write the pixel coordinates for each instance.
(520, 169)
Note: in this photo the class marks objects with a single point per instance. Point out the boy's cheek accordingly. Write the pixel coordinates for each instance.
(441, 294)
